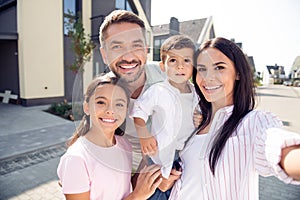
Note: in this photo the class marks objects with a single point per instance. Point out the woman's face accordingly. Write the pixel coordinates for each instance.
(216, 76)
(107, 107)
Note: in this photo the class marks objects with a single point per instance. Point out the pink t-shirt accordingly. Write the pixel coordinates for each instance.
(105, 172)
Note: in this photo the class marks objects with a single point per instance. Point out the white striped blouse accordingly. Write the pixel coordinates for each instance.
(255, 148)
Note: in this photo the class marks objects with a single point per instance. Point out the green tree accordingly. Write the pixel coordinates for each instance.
(81, 44)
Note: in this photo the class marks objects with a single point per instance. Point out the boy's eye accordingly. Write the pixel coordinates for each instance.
(121, 105)
(187, 60)
(172, 60)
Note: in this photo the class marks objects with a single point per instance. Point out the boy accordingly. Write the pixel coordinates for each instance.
(170, 104)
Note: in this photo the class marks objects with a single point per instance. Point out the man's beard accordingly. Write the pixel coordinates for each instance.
(126, 78)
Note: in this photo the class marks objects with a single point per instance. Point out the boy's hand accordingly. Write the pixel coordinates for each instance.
(197, 118)
(148, 145)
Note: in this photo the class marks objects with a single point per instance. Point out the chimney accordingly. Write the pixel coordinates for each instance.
(174, 26)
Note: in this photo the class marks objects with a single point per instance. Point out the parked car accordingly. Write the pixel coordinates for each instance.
(287, 83)
(296, 83)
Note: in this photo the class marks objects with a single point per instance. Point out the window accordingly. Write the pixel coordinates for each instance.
(123, 5)
(71, 8)
(156, 49)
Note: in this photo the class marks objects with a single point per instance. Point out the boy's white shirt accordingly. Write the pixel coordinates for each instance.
(163, 103)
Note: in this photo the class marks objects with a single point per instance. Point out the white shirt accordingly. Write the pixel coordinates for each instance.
(255, 148)
(153, 75)
(172, 119)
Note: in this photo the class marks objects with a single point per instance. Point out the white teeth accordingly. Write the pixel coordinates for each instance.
(212, 87)
(128, 66)
(108, 120)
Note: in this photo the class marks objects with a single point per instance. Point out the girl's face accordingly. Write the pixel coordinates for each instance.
(107, 107)
(216, 76)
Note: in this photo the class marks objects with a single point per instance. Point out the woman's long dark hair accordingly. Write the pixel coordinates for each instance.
(84, 125)
(243, 96)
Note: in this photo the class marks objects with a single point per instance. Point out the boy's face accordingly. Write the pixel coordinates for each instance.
(179, 64)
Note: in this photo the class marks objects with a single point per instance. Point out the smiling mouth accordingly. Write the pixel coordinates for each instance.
(212, 87)
(108, 120)
(128, 66)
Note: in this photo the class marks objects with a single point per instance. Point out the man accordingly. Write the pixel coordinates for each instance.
(124, 50)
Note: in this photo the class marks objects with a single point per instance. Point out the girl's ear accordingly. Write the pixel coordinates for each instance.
(86, 108)
(162, 66)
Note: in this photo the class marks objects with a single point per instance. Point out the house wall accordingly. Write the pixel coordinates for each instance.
(86, 16)
(41, 65)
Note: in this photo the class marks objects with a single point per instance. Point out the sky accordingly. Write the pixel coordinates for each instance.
(269, 30)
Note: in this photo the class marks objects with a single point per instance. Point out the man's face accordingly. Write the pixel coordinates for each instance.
(125, 51)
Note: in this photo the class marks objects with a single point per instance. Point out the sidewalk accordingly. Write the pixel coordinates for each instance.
(31, 143)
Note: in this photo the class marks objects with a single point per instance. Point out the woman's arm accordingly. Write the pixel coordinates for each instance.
(290, 161)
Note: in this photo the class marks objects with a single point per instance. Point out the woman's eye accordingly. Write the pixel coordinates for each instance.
(219, 67)
(201, 69)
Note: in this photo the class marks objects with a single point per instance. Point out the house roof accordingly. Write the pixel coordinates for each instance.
(192, 28)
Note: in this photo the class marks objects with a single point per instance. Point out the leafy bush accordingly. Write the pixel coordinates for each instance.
(63, 109)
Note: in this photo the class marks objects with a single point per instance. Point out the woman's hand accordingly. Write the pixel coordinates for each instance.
(148, 180)
(166, 184)
(197, 118)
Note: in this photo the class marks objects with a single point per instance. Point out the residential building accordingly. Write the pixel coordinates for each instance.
(198, 29)
(35, 49)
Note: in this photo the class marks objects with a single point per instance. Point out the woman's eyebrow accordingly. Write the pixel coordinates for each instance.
(217, 63)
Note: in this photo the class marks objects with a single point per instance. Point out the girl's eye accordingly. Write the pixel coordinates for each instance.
(101, 102)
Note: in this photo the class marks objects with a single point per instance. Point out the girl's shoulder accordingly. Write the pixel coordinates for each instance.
(123, 143)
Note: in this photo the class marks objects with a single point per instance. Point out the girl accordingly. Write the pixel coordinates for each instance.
(234, 143)
(97, 164)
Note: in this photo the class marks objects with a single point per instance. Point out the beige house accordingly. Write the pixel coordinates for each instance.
(295, 70)
(35, 48)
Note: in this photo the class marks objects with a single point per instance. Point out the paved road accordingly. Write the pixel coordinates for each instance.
(28, 165)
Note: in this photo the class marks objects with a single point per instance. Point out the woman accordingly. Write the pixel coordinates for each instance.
(98, 162)
(234, 143)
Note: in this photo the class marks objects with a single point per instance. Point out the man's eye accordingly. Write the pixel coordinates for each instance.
(138, 46)
(116, 47)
